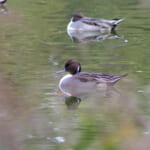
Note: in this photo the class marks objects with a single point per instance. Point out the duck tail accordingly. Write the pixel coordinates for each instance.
(124, 75)
(118, 78)
(117, 21)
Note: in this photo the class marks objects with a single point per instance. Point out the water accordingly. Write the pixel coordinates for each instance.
(34, 114)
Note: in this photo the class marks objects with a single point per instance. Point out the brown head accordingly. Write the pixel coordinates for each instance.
(71, 66)
(77, 17)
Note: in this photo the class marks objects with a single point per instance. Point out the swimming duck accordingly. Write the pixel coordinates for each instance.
(82, 80)
(2, 1)
(81, 23)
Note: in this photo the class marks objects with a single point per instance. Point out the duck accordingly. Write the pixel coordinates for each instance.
(81, 23)
(2, 1)
(77, 80)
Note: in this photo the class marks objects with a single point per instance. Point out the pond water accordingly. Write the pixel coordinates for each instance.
(35, 114)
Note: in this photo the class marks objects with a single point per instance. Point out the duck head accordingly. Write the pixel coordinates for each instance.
(77, 17)
(71, 66)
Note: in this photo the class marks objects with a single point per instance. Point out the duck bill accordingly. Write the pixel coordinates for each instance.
(63, 70)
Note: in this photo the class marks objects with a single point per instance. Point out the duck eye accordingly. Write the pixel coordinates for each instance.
(67, 65)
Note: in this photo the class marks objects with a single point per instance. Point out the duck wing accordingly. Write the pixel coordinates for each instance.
(101, 22)
(96, 22)
(99, 77)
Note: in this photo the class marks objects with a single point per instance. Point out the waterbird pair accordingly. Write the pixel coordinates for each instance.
(83, 80)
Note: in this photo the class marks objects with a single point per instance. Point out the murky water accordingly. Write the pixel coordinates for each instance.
(34, 114)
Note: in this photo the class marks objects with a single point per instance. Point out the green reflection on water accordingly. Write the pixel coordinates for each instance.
(35, 44)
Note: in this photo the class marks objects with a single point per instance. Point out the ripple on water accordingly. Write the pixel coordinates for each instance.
(46, 105)
(55, 63)
(139, 71)
(50, 122)
(140, 91)
(56, 129)
(59, 139)
(30, 136)
(146, 132)
(48, 138)
(48, 93)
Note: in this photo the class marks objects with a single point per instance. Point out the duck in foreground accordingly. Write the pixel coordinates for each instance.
(84, 80)
(81, 23)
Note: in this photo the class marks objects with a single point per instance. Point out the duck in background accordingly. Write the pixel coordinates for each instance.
(2, 1)
(77, 81)
(81, 23)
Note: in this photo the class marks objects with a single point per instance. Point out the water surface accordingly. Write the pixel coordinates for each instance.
(34, 45)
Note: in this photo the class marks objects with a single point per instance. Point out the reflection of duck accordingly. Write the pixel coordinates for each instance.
(80, 22)
(77, 81)
(72, 102)
(90, 36)
(88, 92)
